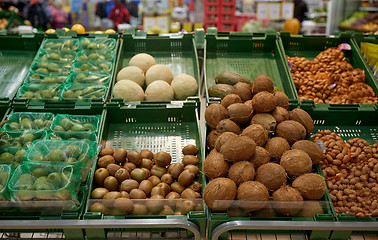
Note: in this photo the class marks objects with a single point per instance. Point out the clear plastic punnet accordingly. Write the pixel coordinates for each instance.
(5, 174)
(40, 92)
(51, 67)
(60, 44)
(93, 66)
(75, 123)
(21, 121)
(102, 78)
(56, 55)
(97, 44)
(83, 92)
(96, 55)
(46, 78)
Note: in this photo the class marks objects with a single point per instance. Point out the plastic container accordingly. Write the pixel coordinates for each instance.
(43, 78)
(51, 67)
(12, 155)
(36, 121)
(97, 44)
(310, 46)
(21, 139)
(56, 55)
(249, 56)
(40, 93)
(60, 44)
(102, 78)
(75, 123)
(93, 66)
(157, 128)
(96, 55)
(83, 92)
(5, 174)
(90, 136)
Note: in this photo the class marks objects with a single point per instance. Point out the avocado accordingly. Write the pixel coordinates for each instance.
(220, 90)
(231, 78)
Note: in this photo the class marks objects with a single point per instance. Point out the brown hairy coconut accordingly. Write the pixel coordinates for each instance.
(283, 196)
(219, 189)
(224, 137)
(252, 191)
(211, 138)
(303, 118)
(215, 166)
(230, 99)
(310, 209)
(276, 147)
(311, 185)
(311, 148)
(265, 119)
(240, 113)
(263, 102)
(296, 162)
(272, 175)
(249, 103)
(214, 114)
(241, 148)
(227, 125)
(241, 172)
(257, 133)
(262, 83)
(243, 90)
(260, 157)
(281, 114)
(291, 130)
(281, 99)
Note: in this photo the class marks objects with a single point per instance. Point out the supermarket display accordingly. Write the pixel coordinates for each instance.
(361, 21)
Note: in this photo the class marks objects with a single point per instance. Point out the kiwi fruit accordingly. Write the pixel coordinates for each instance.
(296, 162)
(252, 191)
(303, 118)
(121, 174)
(139, 174)
(283, 196)
(190, 150)
(104, 161)
(187, 206)
(158, 171)
(99, 207)
(190, 193)
(175, 169)
(99, 193)
(272, 175)
(280, 114)
(243, 90)
(112, 195)
(260, 157)
(257, 132)
(291, 130)
(241, 172)
(167, 210)
(193, 168)
(281, 99)
(162, 159)
(165, 187)
(107, 151)
(239, 113)
(177, 187)
(154, 180)
(137, 194)
(262, 83)
(195, 186)
(111, 183)
(311, 148)
(311, 185)
(124, 204)
(139, 209)
(129, 166)
(172, 196)
(241, 148)
(227, 125)
(134, 157)
(112, 168)
(124, 194)
(190, 159)
(145, 153)
(128, 185)
(186, 178)
(120, 155)
(266, 120)
(230, 99)
(263, 102)
(154, 205)
(211, 139)
(157, 191)
(214, 114)
(219, 189)
(224, 137)
(146, 163)
(100, 176)
(167, 178)
(276, 147)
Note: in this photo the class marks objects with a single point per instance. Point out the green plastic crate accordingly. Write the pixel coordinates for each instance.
(157, 128)
(249, 56)
(17, 54)
(310, 46)
(177, 52)
(359, 38)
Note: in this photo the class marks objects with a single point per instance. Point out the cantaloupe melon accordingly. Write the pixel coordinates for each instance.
(159, 91)
(128, 90)
(184, 86)
(142, 60)
(132, 73)
(159, 72)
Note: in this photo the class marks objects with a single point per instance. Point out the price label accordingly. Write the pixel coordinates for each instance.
(274, 11)
(287, 10)
(162, 23)
(262, 10)
(148, 23)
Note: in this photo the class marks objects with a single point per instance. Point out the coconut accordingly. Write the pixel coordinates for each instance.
(262, 83)
(252, 191)
(243, 90)
(260, 157)
(311, 148)
(211, 139)
(230, 99)
(249, 103)
(265, 119)
(159, 72)
(263, 102)
(311, 185)
(240, 113)
(241, 172)
(303, 118)
(215, 166)
(272, 175)
(227, 125)
(284, 196)
(281, 99)
(223, 138)
(142, 60)
(219, 189)
(257, 133)
(291, 130)
(276, 147)
(310, 209)
(214, 114)
(280, 114)
(296, 162)
(267, 211)
(241, 148)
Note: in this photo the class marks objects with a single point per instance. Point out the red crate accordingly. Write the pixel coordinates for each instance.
(226, 26)
(241, 19)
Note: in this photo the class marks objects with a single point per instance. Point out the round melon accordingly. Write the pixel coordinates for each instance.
(128, 90)
(159, 91)
(184, 86)
(143, 61)
(159, 72)
(132, 73)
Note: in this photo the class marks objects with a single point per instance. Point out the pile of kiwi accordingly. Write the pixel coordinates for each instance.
(124, 179)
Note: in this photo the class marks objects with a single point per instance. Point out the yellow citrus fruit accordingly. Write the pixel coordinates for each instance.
(99, 32)
(78, 28)
(110, 31)
(50, 31)
(66, 29)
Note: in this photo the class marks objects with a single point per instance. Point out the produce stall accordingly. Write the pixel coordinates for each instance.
(106, 137)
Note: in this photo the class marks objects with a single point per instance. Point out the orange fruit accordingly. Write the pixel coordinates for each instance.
(78, 28)
(292, 25)
(50, 30)
(110, 31)
(66, 29)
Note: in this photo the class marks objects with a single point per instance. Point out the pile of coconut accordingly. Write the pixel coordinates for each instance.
(157, 80)
(258, 152)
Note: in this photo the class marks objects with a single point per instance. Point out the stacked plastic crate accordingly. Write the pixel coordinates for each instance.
(220, 14)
